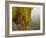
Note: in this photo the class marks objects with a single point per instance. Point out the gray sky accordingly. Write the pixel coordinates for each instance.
(35, 13)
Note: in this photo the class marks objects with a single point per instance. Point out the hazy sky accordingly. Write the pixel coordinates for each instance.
(35, 14)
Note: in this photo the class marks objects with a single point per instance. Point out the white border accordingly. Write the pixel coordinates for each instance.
(24, 32)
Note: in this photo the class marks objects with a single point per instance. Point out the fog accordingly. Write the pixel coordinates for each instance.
(35, 17)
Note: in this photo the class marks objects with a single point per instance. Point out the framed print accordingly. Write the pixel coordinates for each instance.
(24, 18)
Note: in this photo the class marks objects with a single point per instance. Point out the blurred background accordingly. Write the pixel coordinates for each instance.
(33, 16)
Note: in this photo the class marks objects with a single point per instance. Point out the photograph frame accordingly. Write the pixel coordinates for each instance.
(7, 19)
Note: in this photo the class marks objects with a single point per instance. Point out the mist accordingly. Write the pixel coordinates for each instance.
(35, 17)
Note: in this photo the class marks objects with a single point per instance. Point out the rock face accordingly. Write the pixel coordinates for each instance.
(21, 18)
